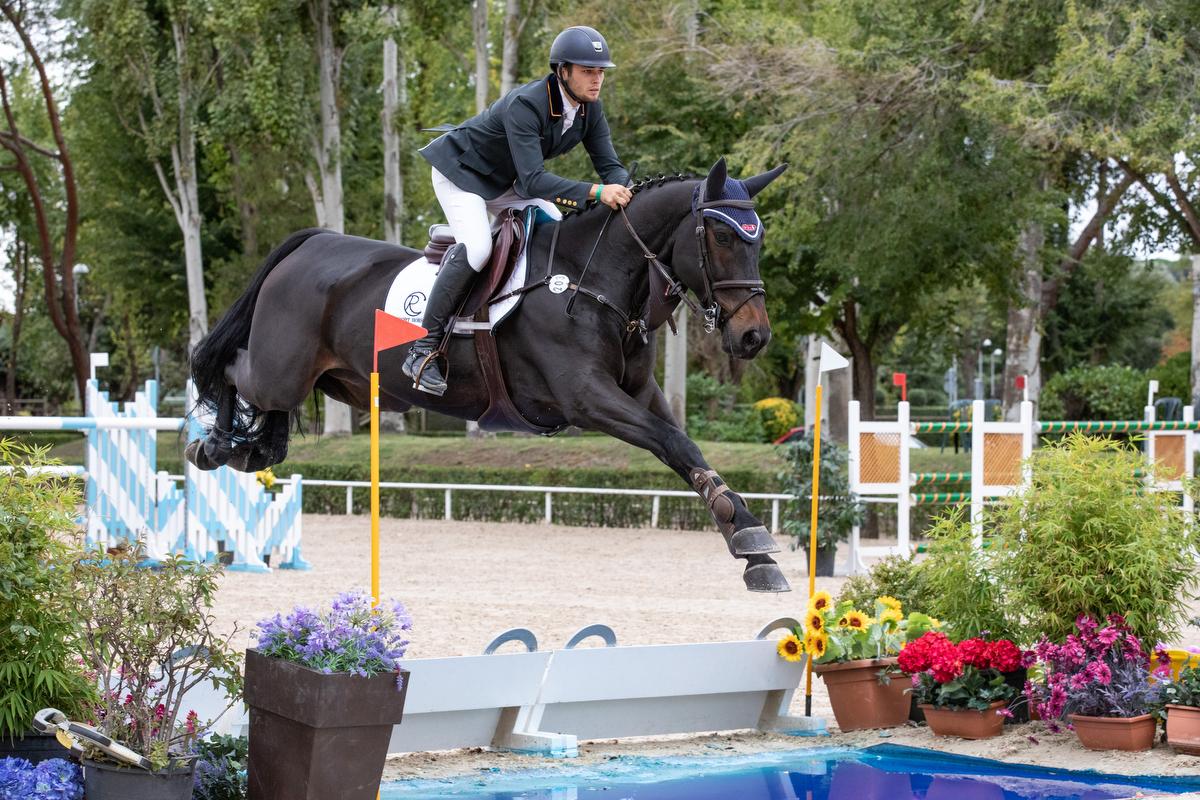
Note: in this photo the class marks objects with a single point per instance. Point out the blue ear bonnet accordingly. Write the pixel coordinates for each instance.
(743, 220)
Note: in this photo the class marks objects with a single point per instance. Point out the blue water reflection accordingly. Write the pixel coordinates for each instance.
(883, 773)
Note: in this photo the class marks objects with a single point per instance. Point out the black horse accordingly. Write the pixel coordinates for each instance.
(307, 319)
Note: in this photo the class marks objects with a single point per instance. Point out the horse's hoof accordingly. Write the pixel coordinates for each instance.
(194, 452)
(755, 541)
(765, 578)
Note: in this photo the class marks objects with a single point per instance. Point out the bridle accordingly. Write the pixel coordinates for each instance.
(714, 314)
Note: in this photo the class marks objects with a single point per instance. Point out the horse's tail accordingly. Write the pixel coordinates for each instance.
(219, 348)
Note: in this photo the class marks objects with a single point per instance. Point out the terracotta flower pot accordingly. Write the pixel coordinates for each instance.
(965, 723)
(1115, 733)
(1183, 729)
(315, 736)
(859, 700)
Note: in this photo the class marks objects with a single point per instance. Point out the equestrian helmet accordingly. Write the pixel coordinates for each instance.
(580, 45)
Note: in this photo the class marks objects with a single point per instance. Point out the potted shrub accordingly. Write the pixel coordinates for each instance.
(856, 657)
(840, 512)
(1180, 698)
(961, 687)
(38, 664)
(1098, 680)
(324, 690)
(147, 632)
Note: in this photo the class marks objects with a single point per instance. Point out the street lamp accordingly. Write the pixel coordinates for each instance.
(979, 372)
(992, 369)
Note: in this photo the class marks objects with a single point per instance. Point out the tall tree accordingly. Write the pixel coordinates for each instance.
(55, 251)
(159, 58)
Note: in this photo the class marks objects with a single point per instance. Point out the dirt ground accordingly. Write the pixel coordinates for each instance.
(464, 582)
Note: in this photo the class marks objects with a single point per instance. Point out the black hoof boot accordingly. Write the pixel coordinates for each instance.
(194, 453)
(218, 446)
(250, 458)
(765, 576)
(753, 541)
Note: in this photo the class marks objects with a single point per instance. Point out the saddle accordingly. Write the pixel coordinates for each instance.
(508, 240)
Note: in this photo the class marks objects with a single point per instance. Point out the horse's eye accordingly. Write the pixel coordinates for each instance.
(722, 238)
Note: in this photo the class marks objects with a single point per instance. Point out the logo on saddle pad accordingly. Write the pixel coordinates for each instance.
(410, 290)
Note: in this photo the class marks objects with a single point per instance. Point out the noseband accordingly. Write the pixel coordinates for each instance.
(714, 314)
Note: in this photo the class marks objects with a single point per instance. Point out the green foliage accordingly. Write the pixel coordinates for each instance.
(777, 415)
(1094, 393)
(1087, 538)
(1182, 691)
(969, 588)
(839, 511)
(221, 768)
(148, 633)
(905, 579)
(37, 631)
(1174, 377)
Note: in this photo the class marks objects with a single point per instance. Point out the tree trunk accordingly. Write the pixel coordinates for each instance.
(393, 184)
(329, 152)
(1023, 344)
(479, 23)
(862, 362)
(327, 197)
(675, 367)
(512, 42)
(1195, 326)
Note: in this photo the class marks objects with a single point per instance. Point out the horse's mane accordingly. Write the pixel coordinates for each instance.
(641, 186)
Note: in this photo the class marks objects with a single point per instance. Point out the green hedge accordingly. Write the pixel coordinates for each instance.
(688, 513)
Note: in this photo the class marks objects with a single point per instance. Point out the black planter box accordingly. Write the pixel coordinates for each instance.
(34, 747)
(315, 736)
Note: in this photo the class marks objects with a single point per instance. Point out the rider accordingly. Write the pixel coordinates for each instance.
(495, 160)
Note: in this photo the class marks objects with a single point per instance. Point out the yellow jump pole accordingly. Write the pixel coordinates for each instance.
(812, 538)
(375, 487)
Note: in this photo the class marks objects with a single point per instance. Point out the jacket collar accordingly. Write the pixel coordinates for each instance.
(555, 93)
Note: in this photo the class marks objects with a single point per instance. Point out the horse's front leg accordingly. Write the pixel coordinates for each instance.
(640, 422)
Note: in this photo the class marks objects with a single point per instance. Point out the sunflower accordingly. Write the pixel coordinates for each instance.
(816, 621)
(856, 620)
(887, 601)
(821, 601)
(790, 648)
(891, 615)
(814, 644)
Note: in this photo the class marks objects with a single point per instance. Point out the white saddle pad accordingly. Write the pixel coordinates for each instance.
(410, 292)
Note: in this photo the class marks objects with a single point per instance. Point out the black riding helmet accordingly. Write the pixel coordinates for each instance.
(580, 45)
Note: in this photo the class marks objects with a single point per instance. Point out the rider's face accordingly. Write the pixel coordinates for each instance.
(585, 82)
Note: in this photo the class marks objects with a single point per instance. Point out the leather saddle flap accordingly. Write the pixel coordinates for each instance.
(508, 239)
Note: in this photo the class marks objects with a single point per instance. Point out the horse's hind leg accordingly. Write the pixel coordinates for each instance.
(614, 412)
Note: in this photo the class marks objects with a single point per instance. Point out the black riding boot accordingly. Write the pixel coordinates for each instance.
(453, 282)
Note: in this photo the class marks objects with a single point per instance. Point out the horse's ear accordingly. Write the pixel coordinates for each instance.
(759, 182)
(715, 186)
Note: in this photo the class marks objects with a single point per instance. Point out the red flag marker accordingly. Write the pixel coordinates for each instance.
(392, 332)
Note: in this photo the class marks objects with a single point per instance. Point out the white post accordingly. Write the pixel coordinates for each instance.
(977, 483)
(904, 498)
(1189, 459)
(854, 460)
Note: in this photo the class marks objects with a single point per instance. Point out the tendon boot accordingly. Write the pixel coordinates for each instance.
(449, 292)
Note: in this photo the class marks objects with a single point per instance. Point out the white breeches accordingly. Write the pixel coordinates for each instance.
(468, 215)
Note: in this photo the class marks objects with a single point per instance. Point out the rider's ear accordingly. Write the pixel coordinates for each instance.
(759, 182)
(716, 180)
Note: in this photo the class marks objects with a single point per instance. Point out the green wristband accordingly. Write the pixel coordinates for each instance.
(599, 188)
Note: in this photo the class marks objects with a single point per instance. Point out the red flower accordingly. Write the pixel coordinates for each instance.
(1004, 656)
(975, 653)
